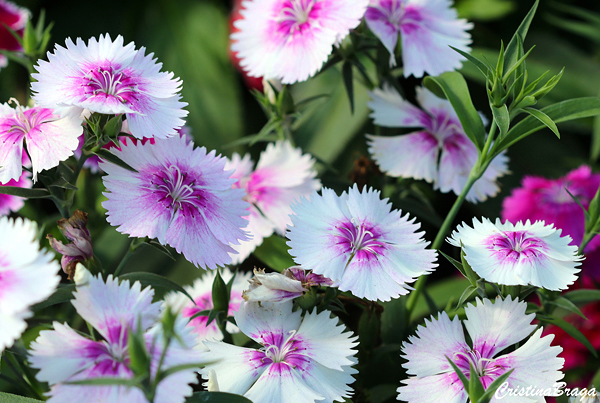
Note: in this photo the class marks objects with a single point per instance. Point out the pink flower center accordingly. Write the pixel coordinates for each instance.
(285, 351)
(390, 11)
(179, 191)
(514, 245)
(296, 15)
(360, 239)
(487, 369)
(111, 83)
(24, 122)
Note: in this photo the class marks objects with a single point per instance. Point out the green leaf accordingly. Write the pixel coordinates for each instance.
(560, 112)
(64, 184)
(542, 117)
(493, 387)
(216, 397)
(131, 382)
(582, 296)
(62, 294)
(460, 374)
(476, 389)
(511, 54)
(452, 86)
(501, 118)
(113, 127)
(433, 309)
(220, 294)
(155, 281)
(595, 148)
(570, 329)
(564, 303)
(23, 192)
(274, 253)
(469, 291)
(393, 320)
(455, 263)
(481, 66)
(348, 83)
(110, 157)
(10, 398)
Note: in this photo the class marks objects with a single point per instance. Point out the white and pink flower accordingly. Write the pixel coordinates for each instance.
(111, 78)
(427, 29)
(519, 254)
(439, 153)
(492, 328)
(48, 137)
(291, 39)
(115, 310)
(357, 241)
(201, 292)
(9, 203)
(180, 195)
(28, 275)
(14, 18)
(302, 360)
(283, 174)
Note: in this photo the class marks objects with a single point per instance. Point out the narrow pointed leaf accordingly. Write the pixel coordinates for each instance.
(452, 86)
(155, 281)
(582, 296)
(455, 263)
(545, 119)
(476, 389)
(564, 303)
(10, 398)
(481, 66)
(501, 118)
(110, 157)
(23, 192)
(62, 294)
(511, 54)
(468, 293)
(571, 331)
(460, 374)
(348, 83)
(64, 184)
(493, 387)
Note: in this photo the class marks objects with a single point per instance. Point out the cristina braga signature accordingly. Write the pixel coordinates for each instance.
(558, 389)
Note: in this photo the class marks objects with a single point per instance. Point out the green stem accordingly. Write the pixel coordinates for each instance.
(476, 173)
(130, 251)
(586, 239)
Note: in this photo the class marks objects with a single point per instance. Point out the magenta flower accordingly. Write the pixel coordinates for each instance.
(519, 254)
(439, 153)
(492, 328)
(357, 241)
(427, 29)
(110, 78)
(180, 195)
(291, 39)
(48, 137)
(302, 360)
(201, 292)
(114, 310)
(9, 203)
(15, 18)
(283, 174)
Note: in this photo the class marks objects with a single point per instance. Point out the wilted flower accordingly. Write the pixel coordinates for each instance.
(201, 292)
(109, 78)
(291, 39)
(427, 29)
(440, 153)
(116, 311)
(357, 241)
(48, 137)
(280, 287)
(492, 328)
(80, 247)
(27, 275)
(519, 254)
(302, 360)
(283, 174)
(180, 195)
(15, 18)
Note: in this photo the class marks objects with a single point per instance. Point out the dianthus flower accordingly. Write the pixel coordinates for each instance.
(519, 254)
(291, 39)
(279, 287)
(10, 203)
(547, 200)
(357, 241)
(48, 137)
(201, 292)
(79, 248)
(180, 195)
(439, 153)
(15, 18)
(28, 275)
(115, 310)
(427, 29)
(109, 78)
(283, 174)
(302, 360)
(492, 328)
